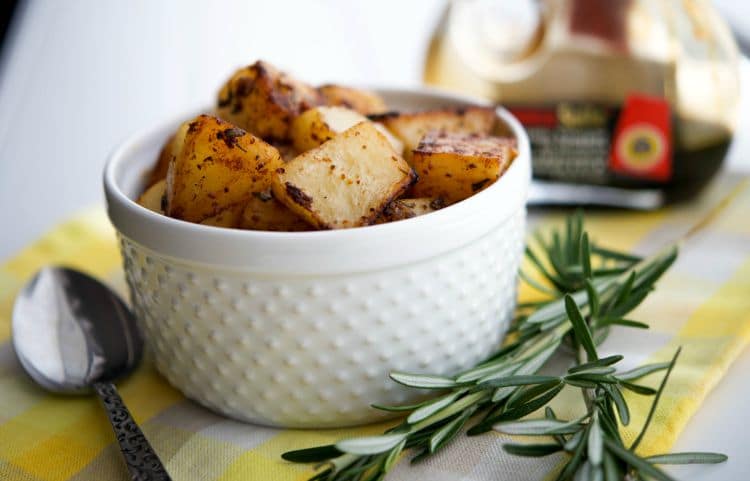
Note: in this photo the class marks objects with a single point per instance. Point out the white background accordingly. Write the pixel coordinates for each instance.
(81, 75)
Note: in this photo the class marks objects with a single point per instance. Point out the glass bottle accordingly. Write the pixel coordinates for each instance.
(639, 95)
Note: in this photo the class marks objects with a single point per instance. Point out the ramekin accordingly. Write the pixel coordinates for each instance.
(300, 329)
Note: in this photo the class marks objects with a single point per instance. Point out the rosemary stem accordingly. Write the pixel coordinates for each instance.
(586, 393)
(506, 387)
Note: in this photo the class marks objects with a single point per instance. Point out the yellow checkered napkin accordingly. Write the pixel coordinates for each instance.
(702, 304)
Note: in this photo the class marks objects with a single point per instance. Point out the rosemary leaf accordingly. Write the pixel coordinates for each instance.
(538, 427)
(614, 255)
(423, 381)
(489, 371)
(611, 470)
(312, 455)
(595, 442)
(622, 322)
(395, 409)
(527, 393)
(687, 458)
(370, 444)
(594, 378)
(450, 430)
(593, 370)
(638, 389)
(393, 455)
(458, 406)
(622, 407)
(580, 327)
(518, 381)
(623, 291)
(605, 361)
(593, 298)
(642, 371)
(532, 450)
(586, 255)
(431, 408)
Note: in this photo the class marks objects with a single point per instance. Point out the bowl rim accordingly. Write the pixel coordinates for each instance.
(182, 240)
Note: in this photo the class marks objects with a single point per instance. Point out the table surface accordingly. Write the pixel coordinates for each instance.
(82, 75)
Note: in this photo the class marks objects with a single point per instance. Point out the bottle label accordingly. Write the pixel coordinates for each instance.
(591, 143)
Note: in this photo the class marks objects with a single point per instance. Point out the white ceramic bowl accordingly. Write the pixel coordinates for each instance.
(301, 329)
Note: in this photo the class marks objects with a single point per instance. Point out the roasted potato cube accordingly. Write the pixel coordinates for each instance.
(320, 124)
(217, 166)
(264, 101)
(153, 198)
(455, 166)
(411, 127)
(346, 182)
(263, 212)
(362, 101)
(229, 217)
(401, 209)
(167, 153)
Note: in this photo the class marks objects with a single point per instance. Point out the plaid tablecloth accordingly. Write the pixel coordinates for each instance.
(703, 304)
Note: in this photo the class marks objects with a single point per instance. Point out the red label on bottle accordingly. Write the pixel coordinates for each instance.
(642, 140)
(536, 117)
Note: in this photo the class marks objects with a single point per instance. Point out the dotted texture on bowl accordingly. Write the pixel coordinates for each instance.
(316, 351)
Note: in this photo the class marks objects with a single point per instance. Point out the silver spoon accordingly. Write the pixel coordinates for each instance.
(71, 333)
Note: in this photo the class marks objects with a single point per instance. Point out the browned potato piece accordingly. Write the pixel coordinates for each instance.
(229, 217)
(153, 198)
(320, 124)
(167, 153)
(456, 166)
(411, 127)
(263, 212)
(217, 166)
(362, 101)
(346, 182)
(401, 209)
(264, 101)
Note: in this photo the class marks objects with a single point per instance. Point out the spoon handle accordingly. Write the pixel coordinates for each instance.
(142, 461)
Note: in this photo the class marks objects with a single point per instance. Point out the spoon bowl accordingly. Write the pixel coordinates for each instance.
(71, 331)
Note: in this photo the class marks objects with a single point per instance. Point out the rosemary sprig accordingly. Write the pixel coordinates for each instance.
(589, 288)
